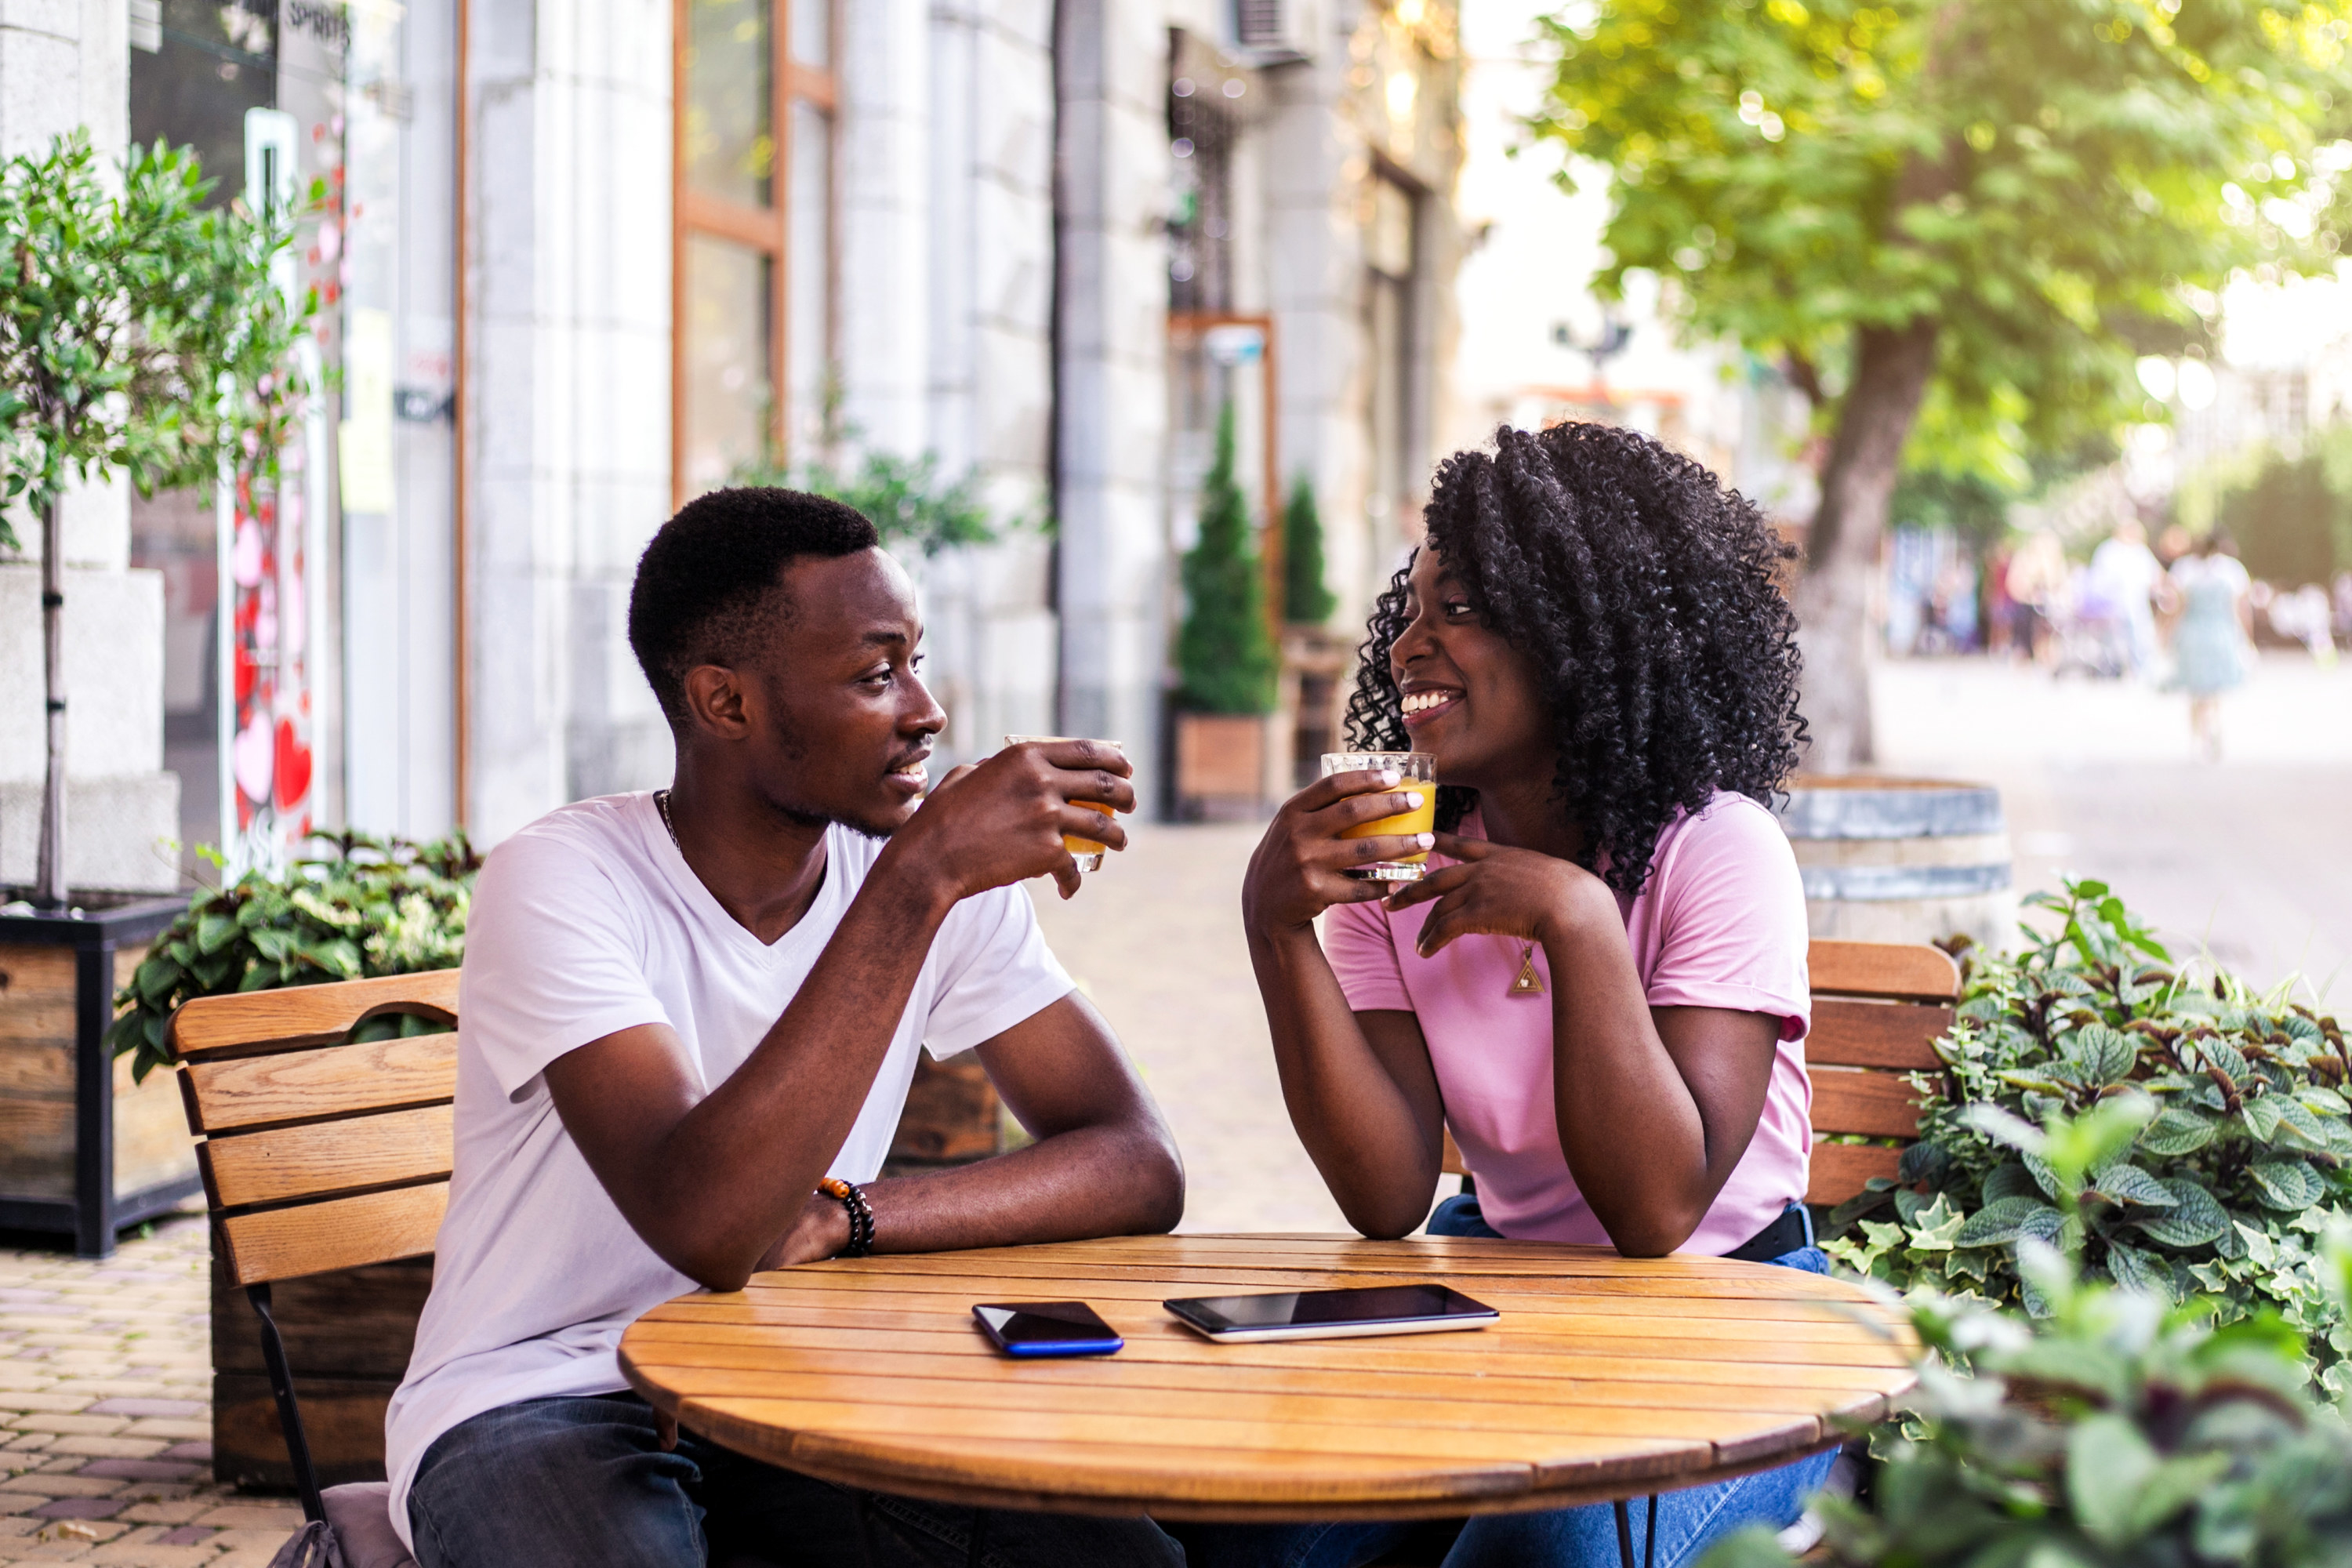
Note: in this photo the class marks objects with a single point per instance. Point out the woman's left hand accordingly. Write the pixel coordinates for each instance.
(1506, 892)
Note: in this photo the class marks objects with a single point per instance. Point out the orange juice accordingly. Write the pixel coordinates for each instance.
(1087, 845)
(1416, 775)
(1089, 853)
(1422, 818)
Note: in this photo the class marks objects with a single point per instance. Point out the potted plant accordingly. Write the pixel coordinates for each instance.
(140, 334)
(1225, 655)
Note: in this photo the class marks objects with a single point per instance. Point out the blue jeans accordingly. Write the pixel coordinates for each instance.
(584, 1483)
(1690, 1521)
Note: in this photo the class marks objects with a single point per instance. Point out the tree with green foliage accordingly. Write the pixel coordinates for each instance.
(1225, 655)
(1953, 223)
(1305, 599)
(2290, 512)
(142, 334)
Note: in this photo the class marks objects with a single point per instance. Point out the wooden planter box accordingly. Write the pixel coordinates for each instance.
(1222, 763)
(348, 1333)
(84, 1150)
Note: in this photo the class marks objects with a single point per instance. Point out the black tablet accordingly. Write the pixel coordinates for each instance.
(1334, 1314)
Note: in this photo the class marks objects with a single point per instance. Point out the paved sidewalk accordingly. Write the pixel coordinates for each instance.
(106, 1396)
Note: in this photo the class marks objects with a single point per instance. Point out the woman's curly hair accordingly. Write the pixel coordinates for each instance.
(1646, 594)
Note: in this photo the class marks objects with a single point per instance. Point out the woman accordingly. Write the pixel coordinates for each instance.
(1600, 982)
(2209, 649)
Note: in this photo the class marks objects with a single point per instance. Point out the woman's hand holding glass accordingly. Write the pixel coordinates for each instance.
(1302, 865)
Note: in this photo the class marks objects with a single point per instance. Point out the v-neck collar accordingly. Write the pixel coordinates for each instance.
(705, 903)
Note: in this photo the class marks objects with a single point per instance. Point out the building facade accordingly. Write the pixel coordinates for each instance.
(580, 263)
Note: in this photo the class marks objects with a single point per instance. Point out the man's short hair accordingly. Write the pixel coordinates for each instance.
(709, 587)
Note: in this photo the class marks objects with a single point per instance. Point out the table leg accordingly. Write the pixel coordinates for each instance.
(1650, 1539)
(1649, 1536)
(1624, 1536)
(978, 1533)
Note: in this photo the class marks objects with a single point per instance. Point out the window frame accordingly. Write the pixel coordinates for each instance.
(763, 230)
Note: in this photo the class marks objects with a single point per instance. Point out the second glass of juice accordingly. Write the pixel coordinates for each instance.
(1085, 851)
(1416, 771)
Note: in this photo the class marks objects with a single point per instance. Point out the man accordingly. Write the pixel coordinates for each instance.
(2120, 589)
(684, 1009)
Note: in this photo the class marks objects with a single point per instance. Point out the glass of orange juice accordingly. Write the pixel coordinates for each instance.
(1088, 854)
(1416, 771)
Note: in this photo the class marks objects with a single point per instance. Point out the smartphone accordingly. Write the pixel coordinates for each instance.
(1046, 1328)
(1333, 1314)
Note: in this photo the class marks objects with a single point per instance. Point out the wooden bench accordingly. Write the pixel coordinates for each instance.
(1878, 1008)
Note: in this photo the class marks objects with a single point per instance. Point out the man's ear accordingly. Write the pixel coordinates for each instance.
(714, 698)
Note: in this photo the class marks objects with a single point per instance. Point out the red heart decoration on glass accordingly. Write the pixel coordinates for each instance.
(293, 768)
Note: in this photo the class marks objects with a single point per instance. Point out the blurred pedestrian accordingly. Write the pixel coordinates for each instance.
(2037, 586)
(2122, 585)
(2000, 609)
(2210, 650)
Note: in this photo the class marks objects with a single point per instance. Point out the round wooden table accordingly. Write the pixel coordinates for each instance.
(1607, 1378)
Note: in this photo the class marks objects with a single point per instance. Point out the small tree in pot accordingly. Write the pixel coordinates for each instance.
(140, 333)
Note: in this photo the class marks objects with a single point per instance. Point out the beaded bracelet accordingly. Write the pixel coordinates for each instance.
(861, 1214)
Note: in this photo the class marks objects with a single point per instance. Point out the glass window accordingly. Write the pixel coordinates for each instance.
(813, 33)
(729, 125)
(754, 337)
(808, 273)
(729, 327)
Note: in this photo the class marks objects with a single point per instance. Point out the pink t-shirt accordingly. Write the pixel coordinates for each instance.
(1721, 923)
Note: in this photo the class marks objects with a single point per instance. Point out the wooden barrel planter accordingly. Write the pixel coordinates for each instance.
(1888, 860)
(84, 1150)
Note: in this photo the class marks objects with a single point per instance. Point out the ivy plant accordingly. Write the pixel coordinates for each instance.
(2221, 1192)
(368, 907)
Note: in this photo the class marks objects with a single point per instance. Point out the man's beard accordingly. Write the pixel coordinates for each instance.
(801, 815)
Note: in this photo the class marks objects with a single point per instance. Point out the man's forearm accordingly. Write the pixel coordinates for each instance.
(733, 1172)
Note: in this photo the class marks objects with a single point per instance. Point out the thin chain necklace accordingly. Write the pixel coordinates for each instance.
(661, 804)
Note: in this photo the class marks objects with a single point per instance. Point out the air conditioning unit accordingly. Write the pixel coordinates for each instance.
(1276, 32)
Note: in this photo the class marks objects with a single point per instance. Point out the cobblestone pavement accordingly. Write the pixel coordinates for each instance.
(106, 1391)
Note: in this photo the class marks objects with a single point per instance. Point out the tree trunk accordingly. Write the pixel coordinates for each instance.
(1891, 371)
(49, 882)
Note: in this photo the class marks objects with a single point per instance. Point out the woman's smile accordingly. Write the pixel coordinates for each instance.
(1424, 703)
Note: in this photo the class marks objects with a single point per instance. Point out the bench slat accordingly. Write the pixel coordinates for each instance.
(342, 1233)
(1874, 1104)
(331, 1080)
(1901, 971)
(301, 1015)
(327, 1157)
(1840, 1170)
(1875, 1035)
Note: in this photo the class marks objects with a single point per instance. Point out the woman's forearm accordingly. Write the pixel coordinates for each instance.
(1377, 1150)
(1630, 1126)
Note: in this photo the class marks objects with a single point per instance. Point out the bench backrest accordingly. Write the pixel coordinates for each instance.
(1878, 1007)
(318, 1155)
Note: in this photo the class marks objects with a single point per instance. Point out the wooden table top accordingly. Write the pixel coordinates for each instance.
(1606, 1377)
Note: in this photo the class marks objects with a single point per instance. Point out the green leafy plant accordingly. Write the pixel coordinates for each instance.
(370, 907)
(1224, 654)
(1307, 600)
(2117, 1430)
(2222, 1190)
(904, 497)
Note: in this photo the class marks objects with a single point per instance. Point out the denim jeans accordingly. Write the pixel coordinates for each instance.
(1690, 1521)
(584, 1483)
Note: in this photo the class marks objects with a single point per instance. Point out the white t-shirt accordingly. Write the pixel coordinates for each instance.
(587, 923)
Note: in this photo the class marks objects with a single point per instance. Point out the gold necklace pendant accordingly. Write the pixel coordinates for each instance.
(1529, 982)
